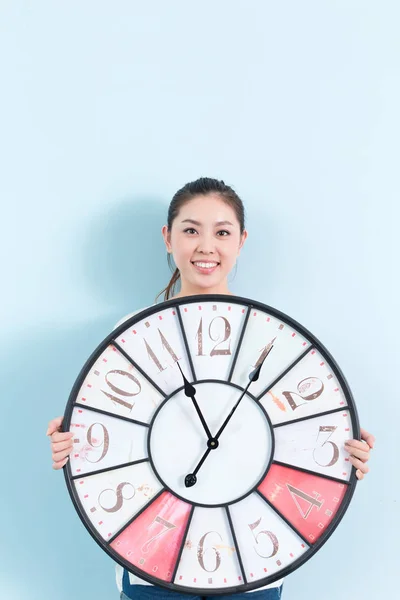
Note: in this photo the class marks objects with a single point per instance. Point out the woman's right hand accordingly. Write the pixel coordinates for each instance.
(61, 443)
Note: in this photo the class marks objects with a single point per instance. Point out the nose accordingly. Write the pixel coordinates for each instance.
(206, 245)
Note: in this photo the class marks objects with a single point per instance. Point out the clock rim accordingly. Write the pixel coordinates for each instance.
(351, 483)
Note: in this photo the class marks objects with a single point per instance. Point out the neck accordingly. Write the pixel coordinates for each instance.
(189, 290)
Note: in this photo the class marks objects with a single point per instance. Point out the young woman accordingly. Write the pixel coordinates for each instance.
(205, 234)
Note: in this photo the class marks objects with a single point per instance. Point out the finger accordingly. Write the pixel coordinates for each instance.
(367, 437)
(54, 425)
(359, 465)
(61, 437)
(60, 464)
(358, 452)
(62, 455)
(63, 445)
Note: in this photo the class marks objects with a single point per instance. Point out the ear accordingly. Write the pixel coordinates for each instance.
(167, 238)
(242, 240)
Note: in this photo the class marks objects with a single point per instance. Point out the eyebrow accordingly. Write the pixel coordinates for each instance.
(218, 224)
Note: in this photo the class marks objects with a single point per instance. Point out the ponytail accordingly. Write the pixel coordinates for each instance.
(169, 290)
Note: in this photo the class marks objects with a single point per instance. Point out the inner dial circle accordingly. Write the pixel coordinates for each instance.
(178, 442)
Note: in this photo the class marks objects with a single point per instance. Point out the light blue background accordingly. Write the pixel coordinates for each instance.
(107, 108)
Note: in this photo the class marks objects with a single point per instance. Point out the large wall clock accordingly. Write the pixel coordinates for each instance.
(209, 444)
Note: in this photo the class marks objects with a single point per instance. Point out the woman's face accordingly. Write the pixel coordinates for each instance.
(205, 241)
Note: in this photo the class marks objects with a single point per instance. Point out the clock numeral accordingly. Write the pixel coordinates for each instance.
(271, 536)
(330, 429)
(119, 497)
(166, 345)
(119, 390)
(199, 337)
(165, 527)
(264, 353)
(94, 442)
(307, 389)
(201, 552)
(296, 493)
(226, 335)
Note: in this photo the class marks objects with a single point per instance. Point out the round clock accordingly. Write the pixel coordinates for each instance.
(209, 440)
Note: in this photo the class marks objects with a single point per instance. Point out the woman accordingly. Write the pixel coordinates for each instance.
(205, 234)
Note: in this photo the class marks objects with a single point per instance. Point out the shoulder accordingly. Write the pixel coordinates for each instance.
(135, 312)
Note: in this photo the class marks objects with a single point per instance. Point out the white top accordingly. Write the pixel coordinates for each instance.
(134, 579)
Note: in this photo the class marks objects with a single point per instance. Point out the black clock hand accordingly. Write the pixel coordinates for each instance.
(213, 443)
(190, 392)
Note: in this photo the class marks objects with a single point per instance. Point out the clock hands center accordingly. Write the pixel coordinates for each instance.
(190, 392)
(191, 479)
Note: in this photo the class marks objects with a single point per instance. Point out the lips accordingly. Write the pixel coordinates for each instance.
(205, 270)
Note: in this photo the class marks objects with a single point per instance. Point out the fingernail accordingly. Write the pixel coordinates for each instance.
(48, 431)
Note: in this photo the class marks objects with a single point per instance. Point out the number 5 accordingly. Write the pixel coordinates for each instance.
(269, 534)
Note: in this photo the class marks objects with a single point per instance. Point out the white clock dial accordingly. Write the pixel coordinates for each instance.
(263, 331)
(209, 553)
(317, 444)
(111, 498)
(115, 386)
(156, 343)
(213, 331)
(267, 543)
(309, 388)
(178, 442)
(103, 441)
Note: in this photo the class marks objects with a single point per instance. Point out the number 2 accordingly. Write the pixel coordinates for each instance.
(305, 385)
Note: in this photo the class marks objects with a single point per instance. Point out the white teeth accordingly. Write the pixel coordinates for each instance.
(204, 265)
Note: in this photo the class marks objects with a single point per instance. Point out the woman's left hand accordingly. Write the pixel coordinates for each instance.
(360, 452)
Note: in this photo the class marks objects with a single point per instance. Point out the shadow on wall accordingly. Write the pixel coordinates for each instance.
(124, 264)
(124, 256)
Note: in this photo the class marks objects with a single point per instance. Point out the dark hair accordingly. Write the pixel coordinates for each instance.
(202, 186)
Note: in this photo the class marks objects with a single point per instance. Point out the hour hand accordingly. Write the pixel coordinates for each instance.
(190, 392)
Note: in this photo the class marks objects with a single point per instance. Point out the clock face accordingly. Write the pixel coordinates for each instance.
(192, 475)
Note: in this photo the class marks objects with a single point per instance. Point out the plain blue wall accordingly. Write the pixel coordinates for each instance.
(106, 109)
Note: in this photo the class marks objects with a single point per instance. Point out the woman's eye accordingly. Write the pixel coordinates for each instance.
(190, 230)
(224, 232)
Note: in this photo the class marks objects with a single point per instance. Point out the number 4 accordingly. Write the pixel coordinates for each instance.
(296, 493)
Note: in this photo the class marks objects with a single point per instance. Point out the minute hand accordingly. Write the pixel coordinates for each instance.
(254, 375)
(191, 478)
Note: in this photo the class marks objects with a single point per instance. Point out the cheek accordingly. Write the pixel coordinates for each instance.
(229, 253)
(182, 252)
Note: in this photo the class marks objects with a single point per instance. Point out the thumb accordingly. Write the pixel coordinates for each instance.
(54, 425)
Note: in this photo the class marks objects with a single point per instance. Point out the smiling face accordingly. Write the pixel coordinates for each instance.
(205, 241)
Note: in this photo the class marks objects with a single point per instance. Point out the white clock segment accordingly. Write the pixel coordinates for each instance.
(209, 438)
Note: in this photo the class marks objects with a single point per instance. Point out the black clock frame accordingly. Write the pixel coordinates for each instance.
(251, 305)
